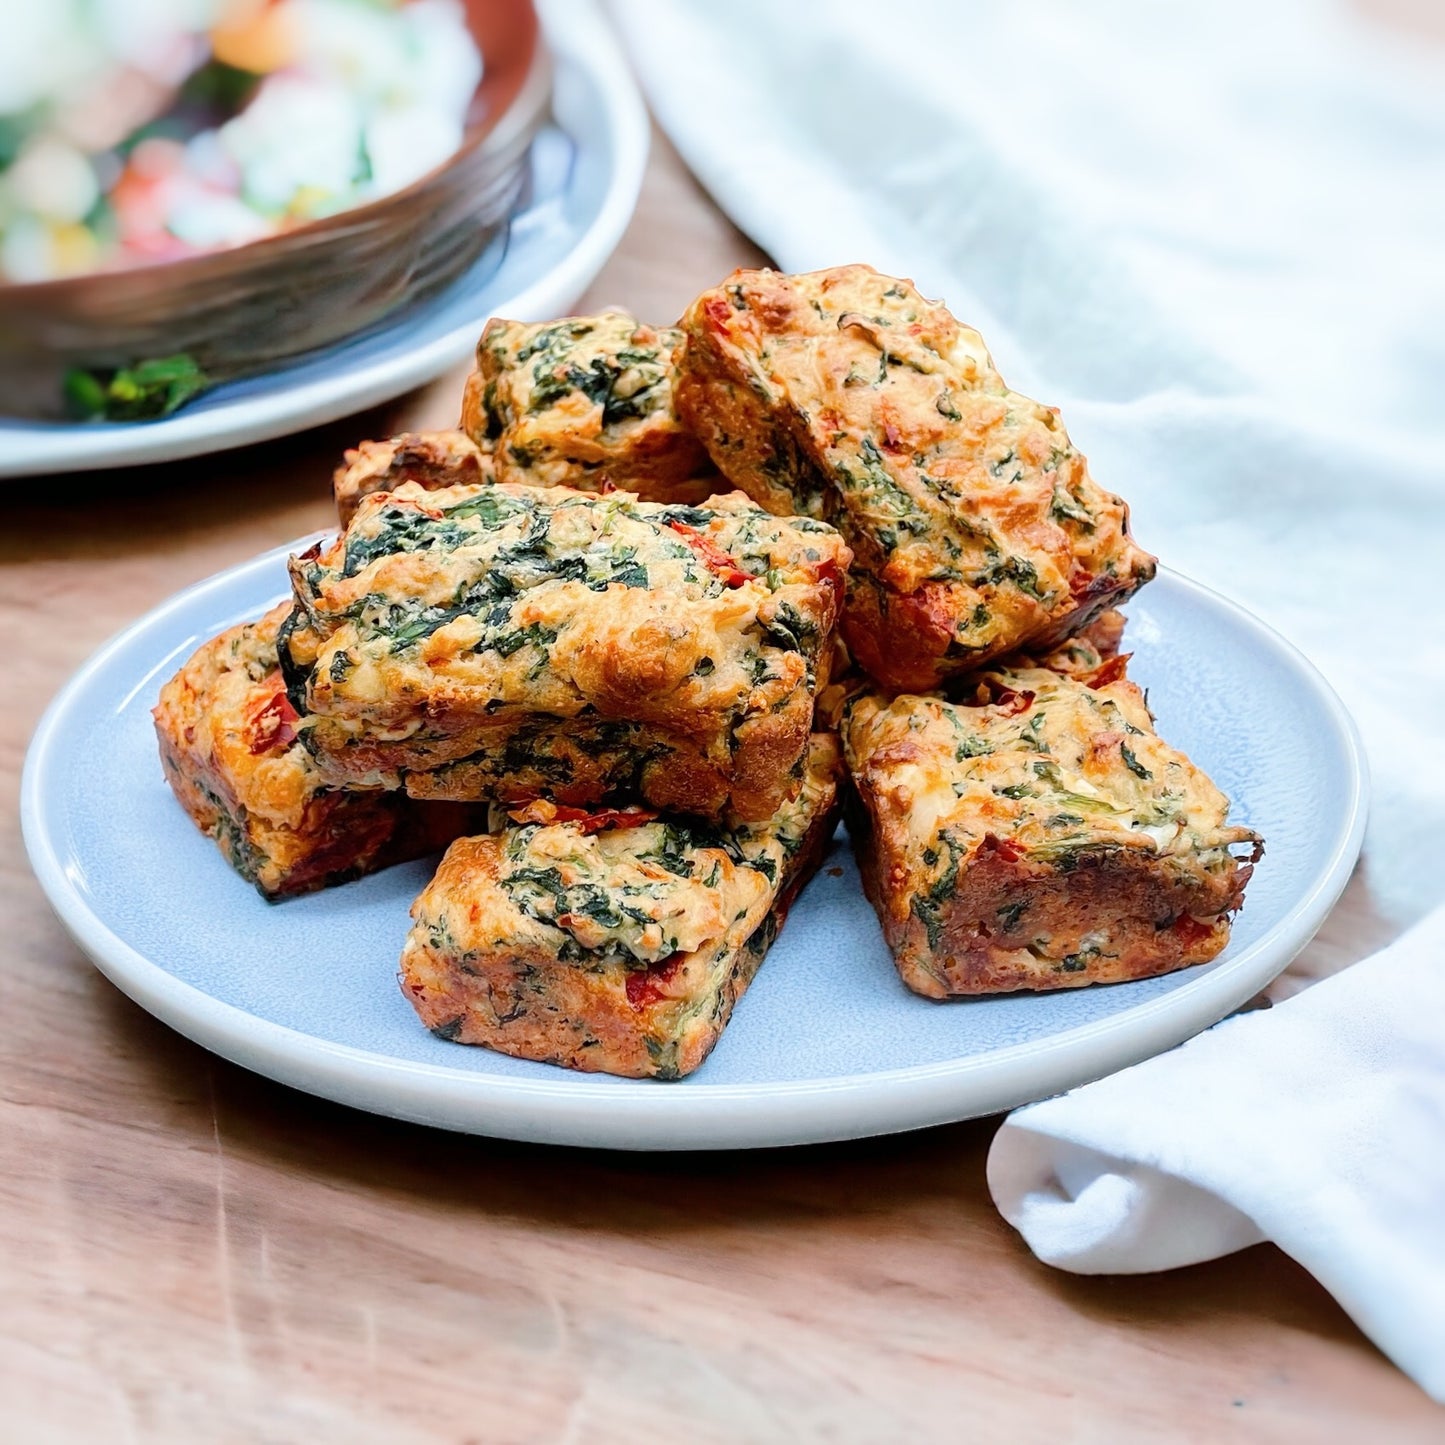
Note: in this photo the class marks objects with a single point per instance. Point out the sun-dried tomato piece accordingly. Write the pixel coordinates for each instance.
(1110, 671)
(714, 558)
(1190, 930)
(1012, 701)
(272, 725)
(645, 985)
(539, 810)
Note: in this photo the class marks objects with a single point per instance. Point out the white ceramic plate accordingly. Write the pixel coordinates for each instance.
(827, 1044)
(586, 171)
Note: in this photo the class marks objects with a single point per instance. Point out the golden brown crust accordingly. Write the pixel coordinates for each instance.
(430, 459)
(230, 752)
(511, 642)
(976, 527)
(1129, 899)
(586, 402)
(474, 413)
(1038, 835)
(617, 950)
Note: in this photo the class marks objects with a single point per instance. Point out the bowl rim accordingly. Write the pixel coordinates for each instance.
(494, 133)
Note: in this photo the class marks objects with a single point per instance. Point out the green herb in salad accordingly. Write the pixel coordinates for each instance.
(142, 392)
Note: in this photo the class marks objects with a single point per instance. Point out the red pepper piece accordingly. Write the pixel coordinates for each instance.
(1190, 930)
(272, 724)
(713, 556)
(1110, 671)
(1011, 702)
(587, 820)
(830, 574)
(718, 312)
(645, 985)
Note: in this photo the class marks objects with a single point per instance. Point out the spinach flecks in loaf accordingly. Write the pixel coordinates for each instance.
(586, 402)
(234, 751)
(1035, 832)
(466, 615)
(847, 395)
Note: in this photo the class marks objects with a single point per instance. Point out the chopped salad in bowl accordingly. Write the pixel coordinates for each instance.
(195, 191)
(136, 131)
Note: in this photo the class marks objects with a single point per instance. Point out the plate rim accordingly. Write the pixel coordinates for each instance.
(575, 1109)
(576, 37)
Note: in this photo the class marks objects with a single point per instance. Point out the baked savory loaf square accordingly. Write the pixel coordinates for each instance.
(585, 402)
(976, 527)
(430, 459)
(510, 642)
(230, 751)
(1039, 834)
(608, 944)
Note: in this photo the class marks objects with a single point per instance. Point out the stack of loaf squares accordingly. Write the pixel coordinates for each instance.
(627, 637)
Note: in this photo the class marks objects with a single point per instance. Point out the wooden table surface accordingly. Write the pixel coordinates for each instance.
(191, 1253)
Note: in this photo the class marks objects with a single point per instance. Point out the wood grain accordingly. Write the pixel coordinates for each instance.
(191, 1253)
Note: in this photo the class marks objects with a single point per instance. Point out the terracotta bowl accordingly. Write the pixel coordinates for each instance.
(242, 309)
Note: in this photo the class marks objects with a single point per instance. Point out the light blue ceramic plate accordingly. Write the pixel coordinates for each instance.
(585, 172)
(827, 1044)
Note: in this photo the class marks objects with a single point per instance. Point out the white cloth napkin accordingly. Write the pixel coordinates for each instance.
(1319, 1124)
(1215, 236)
